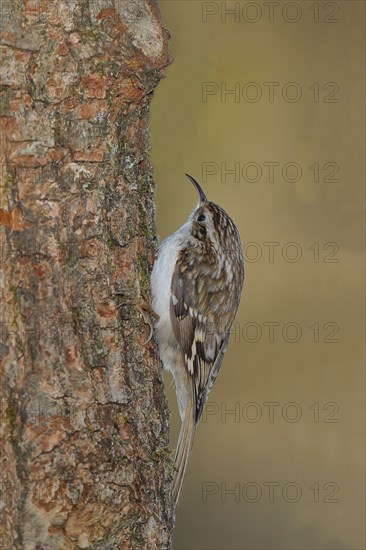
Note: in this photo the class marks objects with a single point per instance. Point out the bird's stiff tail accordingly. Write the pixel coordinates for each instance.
(184, 447)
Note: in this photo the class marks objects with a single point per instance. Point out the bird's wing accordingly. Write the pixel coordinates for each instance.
(202, 333)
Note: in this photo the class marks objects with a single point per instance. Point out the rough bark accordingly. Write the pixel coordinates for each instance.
(84, 423)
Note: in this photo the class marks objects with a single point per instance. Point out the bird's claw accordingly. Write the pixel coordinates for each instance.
(148, 314)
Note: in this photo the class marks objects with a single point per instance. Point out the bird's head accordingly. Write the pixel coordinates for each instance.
(209, 222)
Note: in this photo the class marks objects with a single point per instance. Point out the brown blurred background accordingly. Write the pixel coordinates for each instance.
(292, 454)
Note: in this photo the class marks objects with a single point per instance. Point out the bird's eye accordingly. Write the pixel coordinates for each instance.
(201, 218)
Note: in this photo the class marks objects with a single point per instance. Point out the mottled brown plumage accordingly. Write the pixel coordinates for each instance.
(203, 264)
(206, 289)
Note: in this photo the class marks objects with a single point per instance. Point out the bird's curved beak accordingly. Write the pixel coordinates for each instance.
(202, 196)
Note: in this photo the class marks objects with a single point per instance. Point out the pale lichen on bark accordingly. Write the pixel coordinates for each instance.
(84, 422)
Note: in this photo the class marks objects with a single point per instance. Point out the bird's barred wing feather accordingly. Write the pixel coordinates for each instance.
(201, 333)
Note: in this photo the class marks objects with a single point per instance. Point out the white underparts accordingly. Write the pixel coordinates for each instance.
(161, 280)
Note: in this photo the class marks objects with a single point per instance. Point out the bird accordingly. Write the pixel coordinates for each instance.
(196, 286)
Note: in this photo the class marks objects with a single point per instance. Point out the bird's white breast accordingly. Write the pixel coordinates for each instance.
(161, 280)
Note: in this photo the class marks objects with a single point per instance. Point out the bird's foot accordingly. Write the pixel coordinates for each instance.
(148, 314)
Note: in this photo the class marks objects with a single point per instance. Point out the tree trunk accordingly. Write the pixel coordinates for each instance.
(84, 422)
